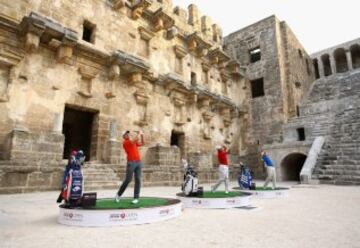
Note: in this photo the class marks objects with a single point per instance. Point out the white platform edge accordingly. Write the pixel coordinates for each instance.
(118, 217)
(268, 194)
(230, 202)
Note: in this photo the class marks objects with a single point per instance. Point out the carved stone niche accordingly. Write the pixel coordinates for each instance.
(225, 76)
(204, 102)
(64, 49)
(118, 4)
(87, 75)
(172, 32)
(138, 7)
(36, 28)
(228, 138)
(136, 79)
(131, 67)
(225, 113)
(206, 131)
(4, 82)
(142, 99)
(146, 34)
(179, 102)
(218, 57)
(162, 20)
(198, 45)
(206, 66)
(114, 73)
(207, 115)
(180, 51)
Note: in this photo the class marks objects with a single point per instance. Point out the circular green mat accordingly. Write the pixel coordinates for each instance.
(125, 203)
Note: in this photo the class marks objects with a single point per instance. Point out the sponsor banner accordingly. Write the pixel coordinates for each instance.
(118, 217)
(231, 202)
(268, 194)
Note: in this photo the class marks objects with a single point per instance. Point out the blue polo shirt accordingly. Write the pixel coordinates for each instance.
(267, 160)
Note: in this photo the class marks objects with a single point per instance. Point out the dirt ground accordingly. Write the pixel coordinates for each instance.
(312, 216)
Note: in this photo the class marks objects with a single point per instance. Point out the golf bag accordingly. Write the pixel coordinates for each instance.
(245, 178)
(73, 183)
(190, 185)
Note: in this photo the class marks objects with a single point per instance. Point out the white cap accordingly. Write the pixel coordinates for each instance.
(218, 147)
(125, 132)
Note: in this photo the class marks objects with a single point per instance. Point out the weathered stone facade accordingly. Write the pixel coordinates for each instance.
(74, 74)
(286, 71)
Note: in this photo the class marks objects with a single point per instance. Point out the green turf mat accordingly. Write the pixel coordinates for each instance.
(125, 203)
(221, 194)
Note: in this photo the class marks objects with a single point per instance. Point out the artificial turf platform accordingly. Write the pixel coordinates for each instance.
(125, 203)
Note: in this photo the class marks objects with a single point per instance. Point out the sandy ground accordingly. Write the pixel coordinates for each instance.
(312, 216)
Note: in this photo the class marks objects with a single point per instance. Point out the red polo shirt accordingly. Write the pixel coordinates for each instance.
(131, 149)
(222, 157)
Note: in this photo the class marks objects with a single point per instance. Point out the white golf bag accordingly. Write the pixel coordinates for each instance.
(190, 185)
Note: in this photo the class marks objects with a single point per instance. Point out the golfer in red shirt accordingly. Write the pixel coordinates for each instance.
(134, 164)
(223, 169)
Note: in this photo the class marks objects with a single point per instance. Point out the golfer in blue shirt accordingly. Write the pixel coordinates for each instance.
(270, 169)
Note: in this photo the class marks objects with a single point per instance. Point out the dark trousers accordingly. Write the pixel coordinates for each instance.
(132, 168)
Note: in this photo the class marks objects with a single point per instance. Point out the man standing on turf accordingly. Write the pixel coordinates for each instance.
(134, 164)
(270, 169)
(223, 168)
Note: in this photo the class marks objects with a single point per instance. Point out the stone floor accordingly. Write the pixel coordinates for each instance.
(312, 216)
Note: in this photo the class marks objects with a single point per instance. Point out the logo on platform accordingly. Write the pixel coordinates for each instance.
(230, 201)
(197, 202)
(166, 212)
(123, 217)
(73, 216)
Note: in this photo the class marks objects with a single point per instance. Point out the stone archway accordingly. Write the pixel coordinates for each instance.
(291, 166)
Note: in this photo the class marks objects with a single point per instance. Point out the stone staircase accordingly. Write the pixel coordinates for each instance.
(100, 176)
(339, 161)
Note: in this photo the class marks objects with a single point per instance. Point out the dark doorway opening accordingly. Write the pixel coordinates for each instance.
(301, 134)
(77, 129)
(341, 60)
(257, 88)
(325, 59)
(193, 79)
(255, 55)
(178, 139)
(291, 166)
(316, 68)
(355, 55)
(88, 32)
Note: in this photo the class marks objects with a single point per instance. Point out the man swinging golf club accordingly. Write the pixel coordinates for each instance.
(134, 165)
(270, 169)
(223, 169)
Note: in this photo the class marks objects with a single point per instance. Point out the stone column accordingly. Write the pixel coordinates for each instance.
(349, 60)
(113, 148)
(332, 64)
(113, 130)
(58, 123)
(321, 68)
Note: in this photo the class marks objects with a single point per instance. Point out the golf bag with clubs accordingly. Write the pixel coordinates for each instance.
(190, 185)
(245, 178)
(73, 184)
